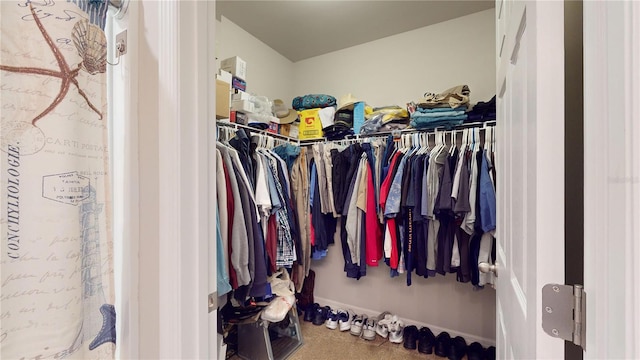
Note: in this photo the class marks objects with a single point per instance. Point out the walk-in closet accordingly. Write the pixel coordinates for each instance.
(394, 70)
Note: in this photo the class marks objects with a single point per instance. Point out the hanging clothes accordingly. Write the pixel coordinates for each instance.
(421, 208)
(259, 225)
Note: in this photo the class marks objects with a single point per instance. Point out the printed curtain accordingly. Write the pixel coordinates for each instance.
(57, 291)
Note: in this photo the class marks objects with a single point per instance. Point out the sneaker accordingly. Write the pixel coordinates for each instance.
(332, 320)
(382, 328)
(344, 320)
(426, 341)
(369, 329)
(320, 315)
(357, 322)
(396, 329)
(410, 337)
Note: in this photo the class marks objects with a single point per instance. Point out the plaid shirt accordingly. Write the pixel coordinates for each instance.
(285, 254)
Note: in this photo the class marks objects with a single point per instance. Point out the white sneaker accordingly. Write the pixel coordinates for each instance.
(357, 322)
(396, 330)
(382, 327)
(369, 329)
(344, 320)
(332, 320)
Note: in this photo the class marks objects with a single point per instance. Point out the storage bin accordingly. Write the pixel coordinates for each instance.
(263, 340)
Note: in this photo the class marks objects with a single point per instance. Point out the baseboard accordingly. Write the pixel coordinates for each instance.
(435, 329)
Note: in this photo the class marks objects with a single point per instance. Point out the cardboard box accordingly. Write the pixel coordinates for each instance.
(294, 130)
(240, 95)
(235, 66)
(273, 128)
(244, 106)
(284, 129)
(238, 117)
(223, 95)
(290, 130)
(224, 76)
(238, 84)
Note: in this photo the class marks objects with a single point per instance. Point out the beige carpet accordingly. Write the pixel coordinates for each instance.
(321, 343)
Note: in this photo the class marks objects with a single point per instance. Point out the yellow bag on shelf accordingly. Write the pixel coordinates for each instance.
(310, 124)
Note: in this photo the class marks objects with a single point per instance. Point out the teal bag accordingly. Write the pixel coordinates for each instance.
(313, 101)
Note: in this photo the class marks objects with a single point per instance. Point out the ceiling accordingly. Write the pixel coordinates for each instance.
(306, 28)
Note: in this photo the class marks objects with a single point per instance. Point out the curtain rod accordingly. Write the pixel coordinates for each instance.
(121, 5)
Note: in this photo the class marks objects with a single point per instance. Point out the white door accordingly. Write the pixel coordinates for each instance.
(530, 164)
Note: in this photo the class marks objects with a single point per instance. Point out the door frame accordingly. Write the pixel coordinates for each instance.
(612, 178)
(602, 24)
(123, 110)
(172, 96)
(183, 118)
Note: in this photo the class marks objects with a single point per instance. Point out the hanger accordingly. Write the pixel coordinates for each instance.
(465, 140)
(487, 137)
(453, 141)
(493, 141)
(476, 136)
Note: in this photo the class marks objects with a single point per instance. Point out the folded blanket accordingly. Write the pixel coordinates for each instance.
(437, 113)
(453, 97)
(422, 122)
(441, 109)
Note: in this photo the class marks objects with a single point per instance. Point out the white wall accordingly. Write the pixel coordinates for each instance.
(396, 70)
(401, 68)
(268, 73)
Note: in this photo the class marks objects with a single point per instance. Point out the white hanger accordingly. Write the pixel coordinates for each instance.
(476, 135)
(493, 140)
(424, 143)
(487, 138)
(453, 141)
(463, 142)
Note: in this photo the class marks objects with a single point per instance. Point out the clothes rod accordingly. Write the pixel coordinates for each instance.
(355, 137)
(236, 126)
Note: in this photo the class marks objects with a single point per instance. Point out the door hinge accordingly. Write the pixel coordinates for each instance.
(212, 300)
(564, 312)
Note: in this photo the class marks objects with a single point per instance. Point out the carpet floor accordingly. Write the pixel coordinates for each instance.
(321, 343)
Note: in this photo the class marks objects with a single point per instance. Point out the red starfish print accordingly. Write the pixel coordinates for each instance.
(65, 74)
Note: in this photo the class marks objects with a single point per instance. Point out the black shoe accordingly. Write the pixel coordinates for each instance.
(490, 353)
(475, 351)
(310, 312)
(426, 341)
(457, 348)
(442, 344)
(410, 337)
(320, 315)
